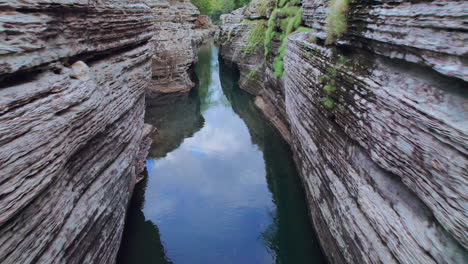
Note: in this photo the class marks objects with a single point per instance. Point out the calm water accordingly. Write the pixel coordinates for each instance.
(221, 185)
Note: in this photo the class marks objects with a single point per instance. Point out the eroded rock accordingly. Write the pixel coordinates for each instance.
(72, 76)
(377, 122)
(177, 35)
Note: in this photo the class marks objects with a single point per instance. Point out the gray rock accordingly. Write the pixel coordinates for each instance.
(72, 79)
(430, 33)
(175, 40)
(377, 124)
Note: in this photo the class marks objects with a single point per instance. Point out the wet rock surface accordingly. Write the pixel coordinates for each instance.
(377, 124)
(72, 77)
(179, 30)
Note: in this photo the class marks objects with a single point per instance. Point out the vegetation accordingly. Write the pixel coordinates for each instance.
(252, 75)
(263, 6)
(284, 20)
(329, 81)
(327, 102)
(256, 36)
(336, 22)
(215, 8)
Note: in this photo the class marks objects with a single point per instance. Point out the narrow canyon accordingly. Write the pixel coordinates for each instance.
(233, 131)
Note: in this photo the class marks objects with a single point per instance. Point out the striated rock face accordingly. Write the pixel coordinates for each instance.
(72, 78)
(377, 124)
(178, 31)
(429, 33)
(384, 166)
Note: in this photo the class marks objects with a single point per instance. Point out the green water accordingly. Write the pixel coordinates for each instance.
(221, 184)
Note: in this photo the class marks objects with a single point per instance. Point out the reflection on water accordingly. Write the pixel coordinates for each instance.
(223, 190)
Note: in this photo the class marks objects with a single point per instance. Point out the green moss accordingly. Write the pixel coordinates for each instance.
(282, 49)
(303, 29)
(327, 102)
(336, 22)
(329, 88)
(278, 66)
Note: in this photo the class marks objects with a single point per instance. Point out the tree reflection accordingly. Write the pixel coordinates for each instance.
(141, 240)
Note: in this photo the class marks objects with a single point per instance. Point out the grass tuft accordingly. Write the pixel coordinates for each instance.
(336, 22)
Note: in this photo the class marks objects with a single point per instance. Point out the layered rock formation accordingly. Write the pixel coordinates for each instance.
(256, 72)
(72, 77)
(377, 125)
(178, 31)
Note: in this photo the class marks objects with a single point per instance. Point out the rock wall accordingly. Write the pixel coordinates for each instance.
(72, 81)
(256, 73)
(178, 32)
(378, 126)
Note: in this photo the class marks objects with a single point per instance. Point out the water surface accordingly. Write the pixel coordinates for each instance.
(221, 185)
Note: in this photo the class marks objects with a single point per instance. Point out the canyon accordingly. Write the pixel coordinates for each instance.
(73, 76)
(375, 115)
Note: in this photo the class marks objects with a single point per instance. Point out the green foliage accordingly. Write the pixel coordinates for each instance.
(215, 8)
(329, 88)
(336, 22)
(264, 5)
(284, 20)
(303, 29)
(256, 36)
(327, 102)
(278, 65)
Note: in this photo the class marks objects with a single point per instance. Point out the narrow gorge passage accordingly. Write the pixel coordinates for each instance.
(221, 185)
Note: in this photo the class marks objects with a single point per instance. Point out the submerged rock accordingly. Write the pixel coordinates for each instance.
(377, 124)
(72, 76)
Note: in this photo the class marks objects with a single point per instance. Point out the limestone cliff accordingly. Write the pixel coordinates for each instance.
(72, 76)
(377, 120)
(179, 29)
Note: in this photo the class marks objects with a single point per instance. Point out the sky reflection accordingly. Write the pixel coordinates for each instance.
(221, 185)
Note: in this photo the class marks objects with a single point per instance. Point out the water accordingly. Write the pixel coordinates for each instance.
(221, 185)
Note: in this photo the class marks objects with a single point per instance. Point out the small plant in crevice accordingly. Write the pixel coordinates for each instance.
(327, 102)
(336, 22)
(328, 80)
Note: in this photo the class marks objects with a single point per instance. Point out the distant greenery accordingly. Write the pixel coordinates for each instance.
(215, 8)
